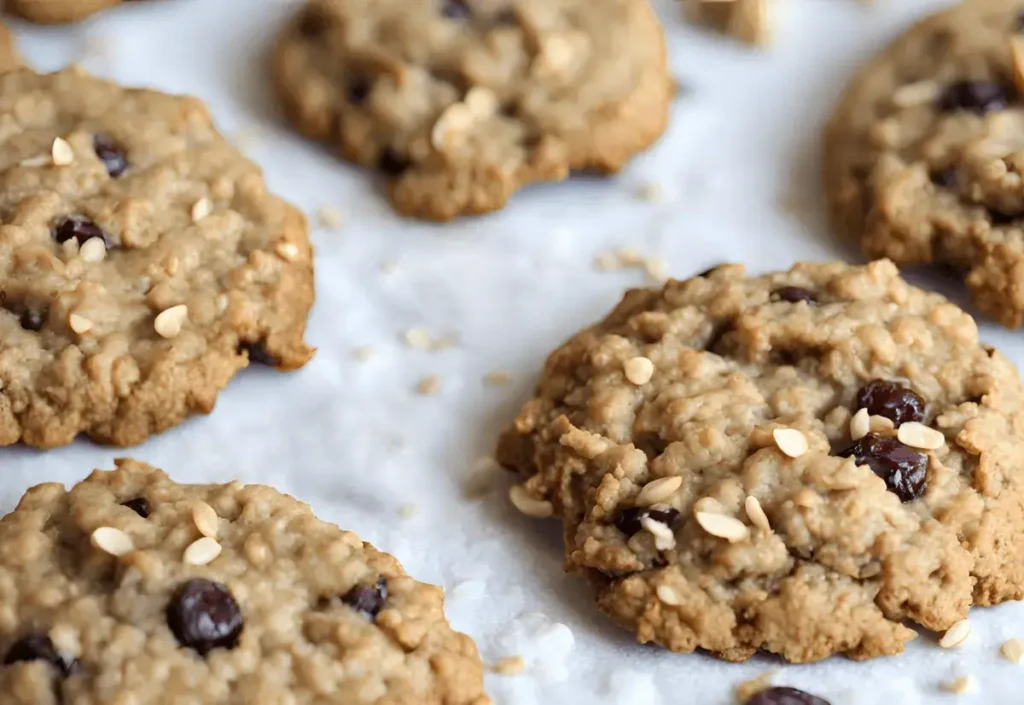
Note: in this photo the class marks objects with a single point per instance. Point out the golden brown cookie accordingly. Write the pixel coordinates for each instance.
(460, 103)
(57, 11)
(142, 262)
(925, 150)
(130, 588)
(798, 462)
(8, 49)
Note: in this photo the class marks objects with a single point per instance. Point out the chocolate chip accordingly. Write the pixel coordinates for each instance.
(391, 162)
(793, 294)
(368, 600)
(359, 88)
(139, 505)
(891, 400)
(111, 154)
(945, 178)
(32, 319)
(785, 696)
(203, 615)
(78, 227)
(258, 354)
(905, 471)
(628, 521)
(39, 647)
(977, 96)
(456, 9)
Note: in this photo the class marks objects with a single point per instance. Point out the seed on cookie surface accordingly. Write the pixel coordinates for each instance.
(860, 424)
(664, 537)
(629, 520)
(917, 93)
(201, 551)
(956, 635)
(529, 505)
(755, 512)
(790, 441)
(205, 518)
(658, 490)
(203, 615)
(917, 435)
(287, 251)
(201, 208)
(722, 526)
(638, 370)
(93, 250)
(168, 322)
(1012, 650)
(79, 324)
(112, 540)
(668, 595)
(62, 152)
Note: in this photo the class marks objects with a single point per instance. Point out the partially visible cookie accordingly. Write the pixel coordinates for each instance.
(750, 21)
(130, 588)
(8, 49)
(924, 152)
(142, 262)
(57, 11)
(460, 103)
(798, 462)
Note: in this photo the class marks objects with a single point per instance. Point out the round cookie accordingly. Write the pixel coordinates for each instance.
(707, 449)
(57, 11)
(924, 152)
(142, 262)
(112, 594)
(460, 103)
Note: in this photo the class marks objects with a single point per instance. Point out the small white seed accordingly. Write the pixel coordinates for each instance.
(205, 518)
(79, 324)
(112, 541)
(62, 152)
(917, 435)
(93, 250)
(658, 490)
(201, 551)
(528, 505)
(664, 538)
(917, 93)
(668, 595)
(881, 425)
(956, 635)
(287, 251)
(201, 209)
(755, 512)
(638, 370)
(1012, 650)
(860, 424)
(722, 526)
(790, 441)
(168, 322)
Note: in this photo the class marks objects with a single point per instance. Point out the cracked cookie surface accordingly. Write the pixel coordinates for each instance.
(804, 461)
(142, 262)
(104, 601)
(459, 103)
(923, 153)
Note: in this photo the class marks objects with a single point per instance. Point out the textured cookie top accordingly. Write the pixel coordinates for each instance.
(925, 149)
(461, 102)
(133, 589)
(724, 453)
(142, 261)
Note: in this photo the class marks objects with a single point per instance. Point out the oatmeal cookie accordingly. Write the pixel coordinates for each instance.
(142, 262)
(459, 103)
(8, 49)
(130, 588)
(924, 152)
(797, 462)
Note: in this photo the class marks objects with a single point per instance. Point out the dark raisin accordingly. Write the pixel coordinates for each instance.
(793, 294)
(904, 470)
(32, 320)
(38, 647)
(456, 9)
(977, 96)
(368, 600)
(629, 521)
(893, 401)
(78, 227)
(1000, 218)
(258, 354)
(139, 505)
(204, 615)
(785, 696)
(111, 154)
(359, 88)
(312, 23)
(391, 162)
(945, 178)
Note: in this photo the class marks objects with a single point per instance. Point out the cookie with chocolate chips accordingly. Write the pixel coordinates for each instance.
(142, 262)
(809, 460)
(215, 594)
(924, 155)
(460, 103)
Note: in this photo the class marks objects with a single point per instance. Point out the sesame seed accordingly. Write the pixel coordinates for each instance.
(790, 441)
(956, 635)
(658, 490)
(527, 504)
(93, 250)
(755, 512)
(202, 551)
(664, 537)
(668, 595)
(112, 541)
(287, 251)
(201, 209)
(638, 370)
(79, 324)
(168, 322)
(722, 526)
(62, 153)
(429, 385)
(860, 424)
(1012, 650)
(917, 435)
(205, 518)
